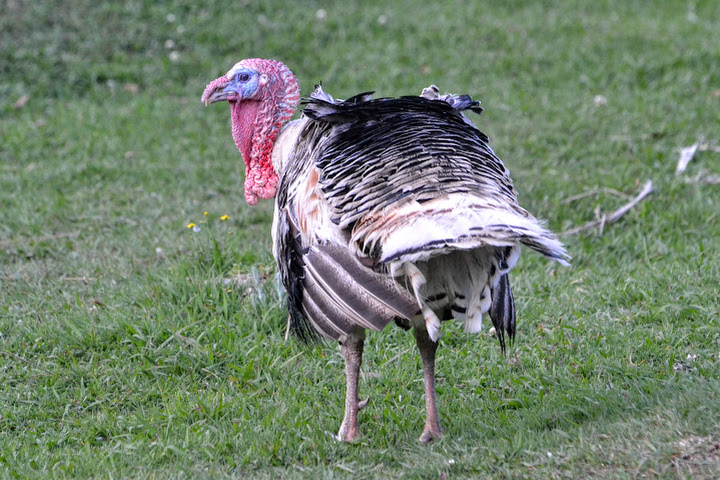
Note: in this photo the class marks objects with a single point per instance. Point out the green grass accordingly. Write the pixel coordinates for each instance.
(124, 353)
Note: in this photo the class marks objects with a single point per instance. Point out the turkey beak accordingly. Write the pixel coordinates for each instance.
(220, 90)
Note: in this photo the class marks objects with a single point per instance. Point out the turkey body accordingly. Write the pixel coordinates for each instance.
(397, 209)
(386, 210)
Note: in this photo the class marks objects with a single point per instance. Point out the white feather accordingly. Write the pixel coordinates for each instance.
(458, 221)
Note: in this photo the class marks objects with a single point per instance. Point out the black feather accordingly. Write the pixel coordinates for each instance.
(291, 266)
(502, 311)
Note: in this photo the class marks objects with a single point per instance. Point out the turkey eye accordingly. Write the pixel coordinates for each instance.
(243, 77)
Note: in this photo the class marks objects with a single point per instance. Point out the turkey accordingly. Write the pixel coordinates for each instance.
(386, 210)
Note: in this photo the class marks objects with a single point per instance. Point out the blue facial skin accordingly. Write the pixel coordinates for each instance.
(244, 83)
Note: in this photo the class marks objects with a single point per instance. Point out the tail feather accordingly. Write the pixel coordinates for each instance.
(417, 231)
(502, 311)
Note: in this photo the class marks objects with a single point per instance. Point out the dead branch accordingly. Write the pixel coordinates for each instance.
(602, 219)
(83, 279)
(595, 191)
(704, 178)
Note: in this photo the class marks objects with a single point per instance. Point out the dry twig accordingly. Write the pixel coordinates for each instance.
(704, 178)
(603, 219)
(595, 191)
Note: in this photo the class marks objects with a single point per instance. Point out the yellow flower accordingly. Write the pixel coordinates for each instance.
(206, 213)
(224, 217)
(191, 225)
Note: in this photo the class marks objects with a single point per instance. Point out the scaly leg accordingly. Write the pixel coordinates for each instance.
(352, 348)
(432, 430)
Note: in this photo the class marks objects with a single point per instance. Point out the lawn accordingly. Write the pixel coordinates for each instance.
(134, 347)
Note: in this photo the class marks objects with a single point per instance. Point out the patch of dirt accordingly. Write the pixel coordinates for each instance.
(698, 457)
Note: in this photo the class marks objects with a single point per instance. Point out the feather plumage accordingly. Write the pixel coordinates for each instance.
(406, 180)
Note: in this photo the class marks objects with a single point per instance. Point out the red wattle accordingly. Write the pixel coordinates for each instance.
(260, 178)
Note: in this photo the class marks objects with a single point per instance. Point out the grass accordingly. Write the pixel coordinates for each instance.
(125, 353)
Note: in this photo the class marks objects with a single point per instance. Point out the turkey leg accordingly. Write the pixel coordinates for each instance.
(432, 430)
(352, 349)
